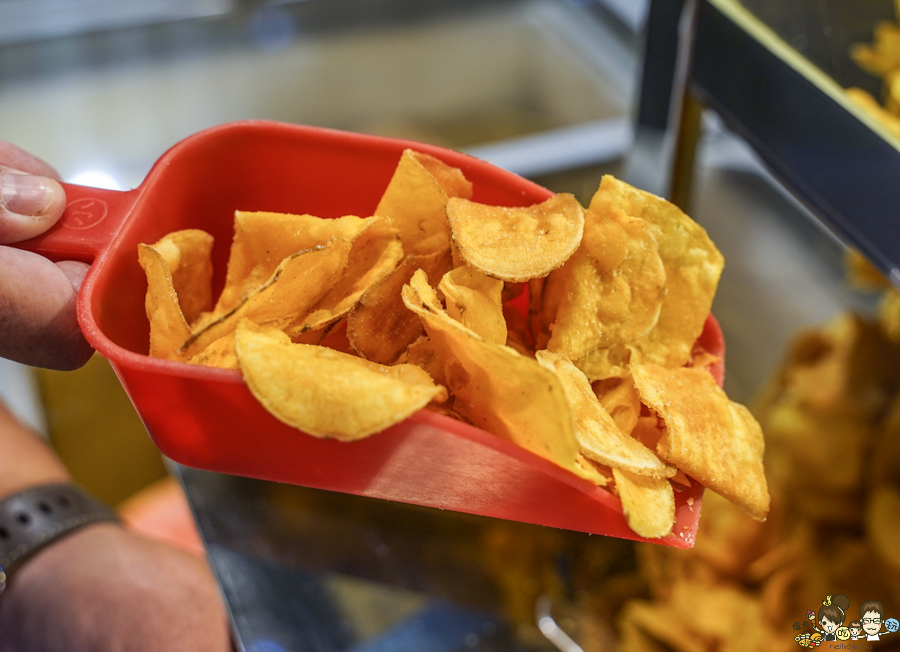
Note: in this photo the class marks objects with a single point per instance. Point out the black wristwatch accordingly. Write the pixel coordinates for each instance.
(38, 516)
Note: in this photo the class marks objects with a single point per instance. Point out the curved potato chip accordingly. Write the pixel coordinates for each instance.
(286, 298)
(168, 327)
(516, 244)
(709, 437)
(648, 503)
(380, 327)
(599, 438)
(326, 393)
(474, 300)
(188, 255)
(620, 398)
(611, 290)
(415, 200)
(451, 180)
(692, 265)
(262, 240)
(497, 389)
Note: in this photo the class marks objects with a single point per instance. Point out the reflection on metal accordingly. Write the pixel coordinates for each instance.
(26, 20)
(562, 149)
(550, 629)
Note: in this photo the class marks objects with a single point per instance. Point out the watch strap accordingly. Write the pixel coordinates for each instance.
(35, 517)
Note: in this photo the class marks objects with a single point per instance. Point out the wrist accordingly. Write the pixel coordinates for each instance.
(39, 516)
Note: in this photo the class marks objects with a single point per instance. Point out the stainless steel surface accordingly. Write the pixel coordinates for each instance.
(302, 569)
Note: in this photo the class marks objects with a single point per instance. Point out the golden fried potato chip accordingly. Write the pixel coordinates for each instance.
(883, 55)
(516, 244)
(188, 255)
(285, 299)
(380, 327)
(889, 314)
(415, 200)
(374, 255)
(611, 290)
(218, 354)
(327, 393)
(421, 353)
(497, 389)
(620, 398)
(168, 327)
(474, 300)
(709, 437)
(862, 274)
(451, 180)
(692, 265)
(263, 240)
(599, 437)
(648, 503)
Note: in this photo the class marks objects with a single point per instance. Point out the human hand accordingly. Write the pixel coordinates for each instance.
(38, 325)
(104, 589)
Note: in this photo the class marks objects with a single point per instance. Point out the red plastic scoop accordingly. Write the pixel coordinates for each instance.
(206, 418)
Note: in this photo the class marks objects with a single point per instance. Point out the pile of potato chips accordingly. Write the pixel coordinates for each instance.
(831, 415)
(569, 331)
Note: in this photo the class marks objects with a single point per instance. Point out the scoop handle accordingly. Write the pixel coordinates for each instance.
(92, 219)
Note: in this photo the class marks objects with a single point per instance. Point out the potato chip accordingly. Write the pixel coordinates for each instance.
(263, 240)
(883, 55)
(516, 244)
(415, 200)
(862, 274)
(218, 354)
(497, 389)
(421, 353)
(285, 299)
(692, 265)
(620, 398)
(168, 327)
(327, 393)
(889, 314)
(374, 255)
(380, 327)
(611, 290)
(648, 503)
(599, 438)
(474, 300)
(188, 255)
(451, 180)
(709, 437)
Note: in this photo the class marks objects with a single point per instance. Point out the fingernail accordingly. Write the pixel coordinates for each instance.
(25, 194)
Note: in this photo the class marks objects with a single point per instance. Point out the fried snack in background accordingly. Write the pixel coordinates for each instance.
(831, 417)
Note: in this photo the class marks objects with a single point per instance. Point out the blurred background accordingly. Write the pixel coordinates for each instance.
(552, 90)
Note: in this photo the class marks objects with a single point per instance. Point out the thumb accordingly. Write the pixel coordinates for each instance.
(29, 205)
